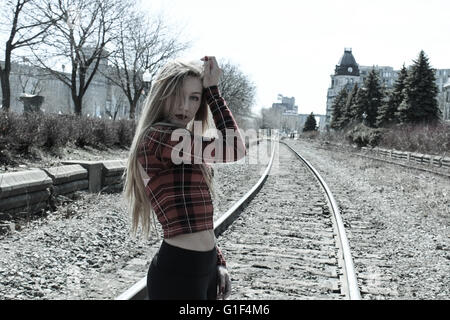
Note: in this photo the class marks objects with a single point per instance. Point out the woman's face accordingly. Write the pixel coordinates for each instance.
(183, 111)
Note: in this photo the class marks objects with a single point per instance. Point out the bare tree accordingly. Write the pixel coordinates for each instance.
(32, 84)
(237, 89)
(82, 37)
(25, 27)
(117, 105)
(271, 118)
(30, 79)
(141, 46)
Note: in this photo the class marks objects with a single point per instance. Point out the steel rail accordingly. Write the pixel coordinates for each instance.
(139, 290)
(349, 274)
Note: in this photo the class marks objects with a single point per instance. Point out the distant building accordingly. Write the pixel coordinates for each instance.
(101, 96)
(320, 120)
(445, 100)
(287, 105)
(284, 116)
(348, 73)
(442, 77)
(387, 75)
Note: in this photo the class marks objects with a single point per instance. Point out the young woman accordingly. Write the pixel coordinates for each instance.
(169, 178)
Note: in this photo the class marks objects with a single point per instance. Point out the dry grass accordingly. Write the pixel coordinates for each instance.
(427, 139)
(431, 139)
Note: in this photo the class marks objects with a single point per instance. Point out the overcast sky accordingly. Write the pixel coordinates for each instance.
(291, 47)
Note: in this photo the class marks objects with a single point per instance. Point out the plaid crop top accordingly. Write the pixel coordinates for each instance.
(171, 159)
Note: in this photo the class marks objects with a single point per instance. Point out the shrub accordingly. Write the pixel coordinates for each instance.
(24, 131)
(82, 131)
(418, 138)
(20, 132)
(364, 136)
(310, 134)
(5, 123)
(125, 132)
(104, 134)
(101, 133)
(5, 127)
(55, 131)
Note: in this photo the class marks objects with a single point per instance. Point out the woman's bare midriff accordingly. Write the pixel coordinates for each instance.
(198, 241)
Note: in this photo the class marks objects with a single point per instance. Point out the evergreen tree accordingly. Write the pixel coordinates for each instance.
(373, 97)
(310, 124)
(356, 109)
(420, 103)
(347, 114)
(385, 114)
(338, 107)
(388, 110)
(403, 112)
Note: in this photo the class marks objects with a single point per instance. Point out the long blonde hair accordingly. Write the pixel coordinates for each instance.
(167, 85)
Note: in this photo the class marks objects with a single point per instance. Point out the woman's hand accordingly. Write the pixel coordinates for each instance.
(223, 283)
(212, 71)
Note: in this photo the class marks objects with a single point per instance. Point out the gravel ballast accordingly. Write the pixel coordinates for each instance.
(397, 222)
(84, 249)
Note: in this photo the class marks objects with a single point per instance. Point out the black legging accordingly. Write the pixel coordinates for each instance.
(182, 274)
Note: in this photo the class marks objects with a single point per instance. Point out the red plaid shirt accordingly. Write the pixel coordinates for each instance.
(178, 191)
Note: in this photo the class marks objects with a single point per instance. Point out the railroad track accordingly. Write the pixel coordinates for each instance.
(289, 242)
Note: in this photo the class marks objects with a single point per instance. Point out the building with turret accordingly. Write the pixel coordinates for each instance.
(347, 73)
